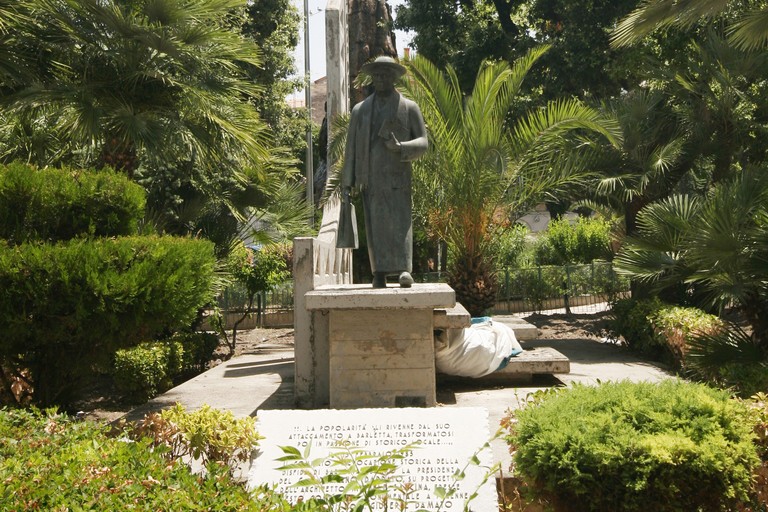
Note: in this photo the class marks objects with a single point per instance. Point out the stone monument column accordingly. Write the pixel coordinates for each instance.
(317, 261)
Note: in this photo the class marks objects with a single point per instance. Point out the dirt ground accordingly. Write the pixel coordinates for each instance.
(103, 402)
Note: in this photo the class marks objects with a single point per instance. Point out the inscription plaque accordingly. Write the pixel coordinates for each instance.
(444, 439)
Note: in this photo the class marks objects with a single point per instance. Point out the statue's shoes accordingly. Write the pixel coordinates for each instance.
(405, 280)
(379, 280)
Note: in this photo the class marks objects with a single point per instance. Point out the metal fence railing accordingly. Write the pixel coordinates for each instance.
(571, 288)
(270, 309)
(545, 288)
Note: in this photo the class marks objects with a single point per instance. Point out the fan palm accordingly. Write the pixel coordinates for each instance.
(748, 32)
(482, 168)
(715, 246)
(121, 79)
(645, 166)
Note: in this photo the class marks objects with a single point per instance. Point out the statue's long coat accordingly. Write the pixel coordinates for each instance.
(384, 176)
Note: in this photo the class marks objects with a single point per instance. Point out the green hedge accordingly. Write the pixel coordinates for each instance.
(60, 204)
(143, 371)
(631, 321)
(672, 446)
(566, 243)
(67, 306)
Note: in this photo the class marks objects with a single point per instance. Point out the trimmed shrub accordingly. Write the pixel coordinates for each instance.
(677, 325)
(671, 446)
(565, 243)
(150, 368)
(61, 204)
(50, 462)
(147, 369)
(631, 321)
(67, 306)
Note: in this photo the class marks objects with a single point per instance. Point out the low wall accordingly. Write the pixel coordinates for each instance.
(270, 319)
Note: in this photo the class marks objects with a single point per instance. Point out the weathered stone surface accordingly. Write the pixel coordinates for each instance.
(447, 439)
(381, 357)
(456, 317)
(360, 296)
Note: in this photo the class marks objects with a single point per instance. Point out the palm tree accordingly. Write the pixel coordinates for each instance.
(482, 168)
(646, 165)
(123, 79)
(714, 248)
(748, 32)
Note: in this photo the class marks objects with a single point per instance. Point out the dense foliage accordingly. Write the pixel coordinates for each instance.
(482, 168)
(152, 367)
(709, 251)
(671, 446)
(164, 91)
(60, 204)
(565, 242)
(581, 63)
(69, 305)
(49, 461)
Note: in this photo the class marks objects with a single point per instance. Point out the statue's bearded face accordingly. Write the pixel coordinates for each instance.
(383, 80)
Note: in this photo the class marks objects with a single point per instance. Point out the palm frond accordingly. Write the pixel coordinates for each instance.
(751, 31)
(666, 224)
(709, 352)
(286, 215)
(659, 14)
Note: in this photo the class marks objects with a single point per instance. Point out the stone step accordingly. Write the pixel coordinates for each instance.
(522, 367)
(458, 317)
(524, 331)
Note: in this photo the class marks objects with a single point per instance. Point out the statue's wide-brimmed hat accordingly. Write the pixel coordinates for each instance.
(384, 62)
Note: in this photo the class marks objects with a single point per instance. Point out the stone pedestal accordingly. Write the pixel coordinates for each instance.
(381, 347)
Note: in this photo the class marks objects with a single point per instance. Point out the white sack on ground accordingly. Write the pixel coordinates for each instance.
(475, 351)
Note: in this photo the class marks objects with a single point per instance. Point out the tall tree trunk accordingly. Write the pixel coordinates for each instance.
(370, 36)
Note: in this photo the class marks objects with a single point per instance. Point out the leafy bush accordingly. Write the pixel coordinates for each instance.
(511, 247)
(67, 306)
(206, 434)
(147, 369)
(61, 204)
(259, 270)
(677, 325)
(50, 462)
(631, 321)
(672, 446)
(563, 242)
(150, 368)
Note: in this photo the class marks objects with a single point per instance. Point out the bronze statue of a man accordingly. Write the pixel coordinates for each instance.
(386, 133)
